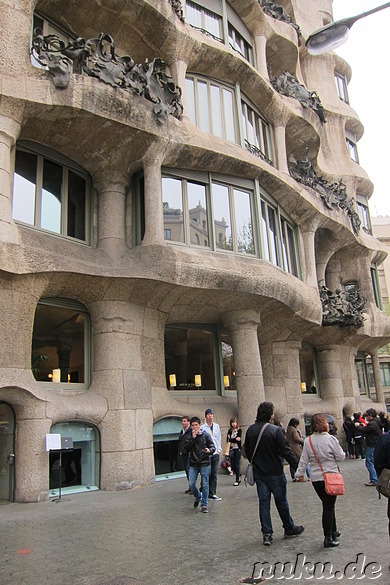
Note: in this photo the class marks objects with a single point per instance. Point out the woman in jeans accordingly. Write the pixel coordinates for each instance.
(234, 437)
(328, 451)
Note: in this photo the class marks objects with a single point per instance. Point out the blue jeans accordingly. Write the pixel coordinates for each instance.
(370, 464)
(276, 485)
(193, 473)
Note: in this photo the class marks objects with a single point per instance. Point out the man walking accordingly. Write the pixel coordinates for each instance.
(269, 473)
(185, 423)
(372, 433)
(199, 445)
(212, 428)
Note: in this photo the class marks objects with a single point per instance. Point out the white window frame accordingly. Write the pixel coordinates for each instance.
(341, 86)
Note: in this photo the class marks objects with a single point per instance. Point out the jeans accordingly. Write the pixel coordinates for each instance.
(193, 473)
(276, 485)
(214, 462)
(370, 464)
(235, 461)
(328, 504)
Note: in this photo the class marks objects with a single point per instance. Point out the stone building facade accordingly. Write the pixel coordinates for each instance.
(179, 229)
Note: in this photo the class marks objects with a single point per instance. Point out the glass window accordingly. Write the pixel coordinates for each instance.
(233, 222)
(269, 233)
(199, 358)
(211, 107)
(309, 369)
(204, 20)
(256, 133)
(60, 343)
(352, 150)
(385, 373)
(364, 216)
(48, 28)
(167, 460)
(362, 379)
(290, 263)
(78, 470)
(376, 286)
(341, 86)
(50, 196)
(243, 216)
(239, 44)
(173, 209)
(222, 219)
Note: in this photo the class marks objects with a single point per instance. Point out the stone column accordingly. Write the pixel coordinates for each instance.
(31, 460)
(280, 147)
(154, 218)
(330, 372)
(249, 376)
(9, 132)
(112, 212)
(261, 55)
(377, 378)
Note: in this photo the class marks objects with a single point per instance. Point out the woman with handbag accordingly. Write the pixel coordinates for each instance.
(322, 451)
(234, 438)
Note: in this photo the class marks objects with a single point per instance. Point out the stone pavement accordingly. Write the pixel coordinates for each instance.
(153, 536)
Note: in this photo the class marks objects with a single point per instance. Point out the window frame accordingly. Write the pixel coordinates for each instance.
(376, 286)
(66, 303)
(350, 140)
(364, 213)
(43, 153)
(341, 87)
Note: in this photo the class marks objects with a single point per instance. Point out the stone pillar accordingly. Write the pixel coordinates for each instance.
(127, 427)
(112, 212)
(261, 55)
(31, 460)
(377, 378)
(178, 70)
(9, 132)
(282, 380)
(154, 218)
(310, 272)
(249, 376)
(280, 147)
(330, 372)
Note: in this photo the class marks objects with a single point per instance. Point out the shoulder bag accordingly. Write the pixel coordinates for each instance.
(383, 483)
(249, 478)
(334, 482)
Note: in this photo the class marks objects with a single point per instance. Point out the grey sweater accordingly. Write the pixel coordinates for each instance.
(328, 451)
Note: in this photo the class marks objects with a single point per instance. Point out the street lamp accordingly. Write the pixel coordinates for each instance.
(333, 35)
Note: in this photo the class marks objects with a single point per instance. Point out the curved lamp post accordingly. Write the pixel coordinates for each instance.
(333, 35)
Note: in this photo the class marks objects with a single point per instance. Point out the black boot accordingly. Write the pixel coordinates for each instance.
(329, 543)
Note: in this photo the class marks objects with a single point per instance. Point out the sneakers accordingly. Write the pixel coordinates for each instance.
(329, 543)
(237, 482)
(296, 531)
(267, 539)
(205, 510)
(215, 498)
(196, 503)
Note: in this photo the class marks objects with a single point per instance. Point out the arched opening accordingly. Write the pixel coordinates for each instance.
(78, 469)
(168, 463)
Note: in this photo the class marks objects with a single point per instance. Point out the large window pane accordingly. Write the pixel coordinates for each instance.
(197, 205)
(222, 219)
(212, 23)
(173, 208)
(216, 111)
(229, 115)
(273, 240)
(76, 206)
(203, 104)
(58, 344)
(193, 14)
(190, 357)
(51, 197)
(229, 370)
(190, 99)
(243, 215)
(23, 207)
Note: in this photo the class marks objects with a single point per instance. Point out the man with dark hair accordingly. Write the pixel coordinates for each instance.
(199, 446)
(213, 429)
(185, 423)
(372, 433)
(268, 471)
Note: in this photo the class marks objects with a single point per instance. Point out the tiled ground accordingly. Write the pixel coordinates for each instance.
(153, 536)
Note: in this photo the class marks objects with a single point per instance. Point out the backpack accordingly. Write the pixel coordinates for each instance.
(383, 483)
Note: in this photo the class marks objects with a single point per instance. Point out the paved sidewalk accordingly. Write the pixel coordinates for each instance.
(153, 535)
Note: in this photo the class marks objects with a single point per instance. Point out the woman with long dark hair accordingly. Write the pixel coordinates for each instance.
(234, 437)
(325, 448)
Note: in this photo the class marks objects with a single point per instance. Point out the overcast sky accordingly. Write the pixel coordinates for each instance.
(367, 51)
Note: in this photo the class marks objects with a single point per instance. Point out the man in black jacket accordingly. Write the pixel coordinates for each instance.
(382, 461)
(199, 445)
(269, 471)
(372, 432)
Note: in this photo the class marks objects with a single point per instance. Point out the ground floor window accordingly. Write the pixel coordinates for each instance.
(167, 461)
(199, 358)
(309, 370)
(78, 469)
(362, 376)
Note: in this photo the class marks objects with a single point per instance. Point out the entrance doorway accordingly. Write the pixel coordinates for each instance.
(78, 470)
(167, 461)
(7, 453)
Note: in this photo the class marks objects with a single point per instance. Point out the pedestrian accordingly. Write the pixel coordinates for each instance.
(325, 448)
(372, 433)
(185, 423)
(295, 441)
(234, 435)
(385, 421)
(268, 471)
(382, 461)
(359, 439)
(199, 446)
(212, 428)
(349, 430)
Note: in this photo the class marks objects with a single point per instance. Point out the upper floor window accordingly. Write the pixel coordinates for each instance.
(60, 343)
(364, 213)
(351, 146)
(49, 194)
(213, 108)
(218, 19)
(376, 286)
(48, 27)
(341, 86)
(219, 212)
(385, 373)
